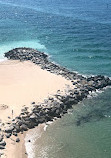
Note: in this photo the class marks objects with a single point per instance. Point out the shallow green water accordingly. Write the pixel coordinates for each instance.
(64, 139)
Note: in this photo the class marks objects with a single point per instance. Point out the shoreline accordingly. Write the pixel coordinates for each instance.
(7, 69)
(69, 88)
(31, 136)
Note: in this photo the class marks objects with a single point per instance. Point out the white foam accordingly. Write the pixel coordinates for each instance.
(35, 44)
(45, 127)
(107, 86)
(49, 122)
(99, 91)
(94, 93)
(4, 59)
(32, 135)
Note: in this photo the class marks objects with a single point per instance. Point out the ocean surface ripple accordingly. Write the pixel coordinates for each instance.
(77, 35)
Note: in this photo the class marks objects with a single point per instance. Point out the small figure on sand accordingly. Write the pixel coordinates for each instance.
(12, 114)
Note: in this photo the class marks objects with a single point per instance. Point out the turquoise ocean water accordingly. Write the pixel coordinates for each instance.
(77, 35)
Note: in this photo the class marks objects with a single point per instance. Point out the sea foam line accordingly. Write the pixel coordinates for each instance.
(35, 44)
(32, 135)
(97, 92)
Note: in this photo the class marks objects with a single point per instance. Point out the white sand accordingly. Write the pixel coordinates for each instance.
(20, 84)
(24, 82)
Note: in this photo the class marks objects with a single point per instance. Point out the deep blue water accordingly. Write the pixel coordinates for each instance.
(76, 34)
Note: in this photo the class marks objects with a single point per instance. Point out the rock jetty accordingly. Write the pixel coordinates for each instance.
(52, 107)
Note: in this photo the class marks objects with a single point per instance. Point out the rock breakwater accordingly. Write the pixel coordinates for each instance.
(55, 106)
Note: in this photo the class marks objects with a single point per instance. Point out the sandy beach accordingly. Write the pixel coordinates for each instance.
(35, 92)
(24, 82)
(20, 84)
(13, 149)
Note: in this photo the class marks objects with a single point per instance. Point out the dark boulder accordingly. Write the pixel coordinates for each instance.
(1, 138)
(33, 102)
(17, 127)
(23, 127)
(3, 143)
(9, 129)
(41, 120)
(17, 140)
(57, 113)
(31, 125)
(15, 134)
(33, 117)
(2, 147)
(48, 118)
(8, 135)
(19, 122)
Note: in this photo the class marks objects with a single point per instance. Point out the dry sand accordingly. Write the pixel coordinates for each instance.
(20, 84)
(13, 149)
